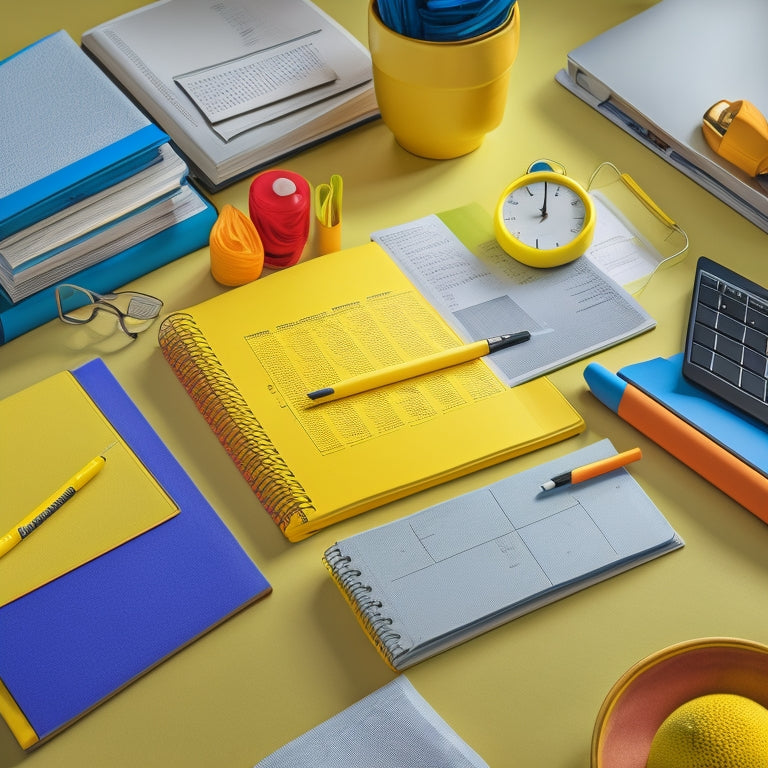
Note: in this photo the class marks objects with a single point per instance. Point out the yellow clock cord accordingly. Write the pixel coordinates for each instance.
(637, 192)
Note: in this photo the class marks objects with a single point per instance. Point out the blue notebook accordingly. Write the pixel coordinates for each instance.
(68, 132)
(94, 630)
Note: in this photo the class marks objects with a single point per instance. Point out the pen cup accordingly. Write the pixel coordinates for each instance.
(439, 99)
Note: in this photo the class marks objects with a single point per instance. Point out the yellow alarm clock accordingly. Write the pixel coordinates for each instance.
(544, 218)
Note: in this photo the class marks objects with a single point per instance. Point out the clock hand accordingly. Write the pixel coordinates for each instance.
(543, 208)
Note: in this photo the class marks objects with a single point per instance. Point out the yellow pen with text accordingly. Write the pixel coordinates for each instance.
(54, 502)
(412, 368)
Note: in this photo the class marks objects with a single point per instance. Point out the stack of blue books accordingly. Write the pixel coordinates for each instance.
(91, 193)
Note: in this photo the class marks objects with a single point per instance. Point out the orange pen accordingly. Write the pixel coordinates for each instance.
(597, 468)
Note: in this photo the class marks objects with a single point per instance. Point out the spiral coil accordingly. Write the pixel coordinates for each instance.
(369, 610)
(222, 405)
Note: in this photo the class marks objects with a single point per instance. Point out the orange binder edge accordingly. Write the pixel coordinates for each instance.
(725, 471)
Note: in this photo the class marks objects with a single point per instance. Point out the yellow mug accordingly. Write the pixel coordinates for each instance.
(440, 99)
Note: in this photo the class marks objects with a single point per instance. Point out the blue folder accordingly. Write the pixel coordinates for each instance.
(76, 641)
(726, 447)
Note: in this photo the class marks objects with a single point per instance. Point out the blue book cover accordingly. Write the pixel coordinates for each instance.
(67, 132)
(195, 570)
(726, 447)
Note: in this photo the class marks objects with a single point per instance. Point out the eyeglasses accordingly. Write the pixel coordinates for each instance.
(134, 311)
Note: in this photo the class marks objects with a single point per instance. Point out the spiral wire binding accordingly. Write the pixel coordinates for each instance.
(219, 401)
(366, 607)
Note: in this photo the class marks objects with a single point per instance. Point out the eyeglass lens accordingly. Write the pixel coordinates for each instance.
(75, 304)
(135, 311)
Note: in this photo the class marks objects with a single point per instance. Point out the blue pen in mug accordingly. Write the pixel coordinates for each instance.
(441, 97)
(444, 20)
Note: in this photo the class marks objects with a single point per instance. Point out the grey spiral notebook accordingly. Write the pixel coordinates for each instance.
(429, 581)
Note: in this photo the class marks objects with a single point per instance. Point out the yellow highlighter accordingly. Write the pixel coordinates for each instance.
(54, 502)
(417, 367)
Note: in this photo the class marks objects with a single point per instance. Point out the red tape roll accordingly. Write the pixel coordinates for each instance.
(279, 203)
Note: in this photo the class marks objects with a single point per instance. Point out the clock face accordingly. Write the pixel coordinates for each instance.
(544, 214)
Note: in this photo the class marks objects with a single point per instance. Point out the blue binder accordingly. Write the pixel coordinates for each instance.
(662, 379)
(166, 246)
(723, 445)
(76, 641)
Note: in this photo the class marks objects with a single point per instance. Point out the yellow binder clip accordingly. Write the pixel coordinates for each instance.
(328, 214)
(738, 131)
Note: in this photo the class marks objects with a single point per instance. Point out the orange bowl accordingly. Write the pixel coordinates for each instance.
(652, 689)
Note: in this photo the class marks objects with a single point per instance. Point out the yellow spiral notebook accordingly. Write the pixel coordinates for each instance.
(249, 357)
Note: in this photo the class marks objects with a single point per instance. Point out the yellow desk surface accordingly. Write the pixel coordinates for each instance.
(525, 694)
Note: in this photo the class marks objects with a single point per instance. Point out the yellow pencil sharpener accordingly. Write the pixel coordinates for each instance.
(440, 99)
(738, 132)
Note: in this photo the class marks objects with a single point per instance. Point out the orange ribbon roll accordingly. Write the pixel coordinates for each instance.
(237, 253)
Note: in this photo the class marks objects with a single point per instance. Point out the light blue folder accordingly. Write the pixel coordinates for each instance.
(662, 379)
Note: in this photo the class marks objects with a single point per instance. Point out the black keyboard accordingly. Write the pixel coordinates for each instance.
(726, 350)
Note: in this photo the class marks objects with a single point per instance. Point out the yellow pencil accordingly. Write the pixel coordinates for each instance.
(412, 368)
(56, 500)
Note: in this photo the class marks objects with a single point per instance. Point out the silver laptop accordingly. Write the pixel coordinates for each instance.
(656, 74)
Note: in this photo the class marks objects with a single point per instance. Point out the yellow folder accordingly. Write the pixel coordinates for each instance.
(50, 431)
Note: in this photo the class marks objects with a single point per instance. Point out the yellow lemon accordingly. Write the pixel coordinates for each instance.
(720, 730)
